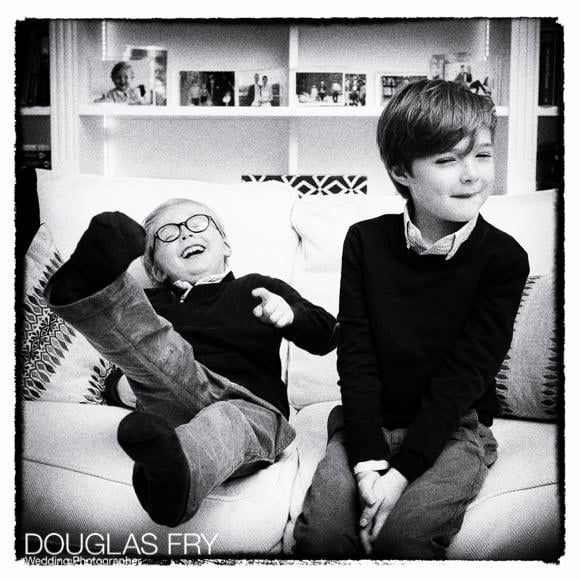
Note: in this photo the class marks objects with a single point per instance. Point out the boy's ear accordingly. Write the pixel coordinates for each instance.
(399, 174)
(227, 249)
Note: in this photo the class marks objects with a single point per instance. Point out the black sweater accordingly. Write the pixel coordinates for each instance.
(217, 320)
(421, 338)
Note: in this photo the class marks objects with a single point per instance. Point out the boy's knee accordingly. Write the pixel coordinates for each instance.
(406, 540)
(323, 539)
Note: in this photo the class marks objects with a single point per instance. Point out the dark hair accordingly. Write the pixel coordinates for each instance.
(428, 117)
(119, 67)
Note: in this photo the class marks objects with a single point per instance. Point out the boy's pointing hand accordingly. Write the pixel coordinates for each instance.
(273, 309)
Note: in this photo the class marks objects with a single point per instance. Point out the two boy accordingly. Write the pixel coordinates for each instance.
(427, 305)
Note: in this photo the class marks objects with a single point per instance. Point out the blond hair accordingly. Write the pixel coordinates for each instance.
(155, 272)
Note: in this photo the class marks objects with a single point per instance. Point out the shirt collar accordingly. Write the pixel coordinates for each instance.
(187, 286)
(446, 246)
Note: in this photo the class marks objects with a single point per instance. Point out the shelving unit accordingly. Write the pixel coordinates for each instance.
(220, 144)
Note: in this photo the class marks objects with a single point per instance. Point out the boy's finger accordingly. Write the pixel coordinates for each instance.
(258, 311)
(261, 293)
(368, 514)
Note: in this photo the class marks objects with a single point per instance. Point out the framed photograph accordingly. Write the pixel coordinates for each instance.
(320, 88)
(474, 75)
(355, 90)
(157, 58)
(437, 67)
(201, 88)
(123, 82)
(388, 83)
(261, 88)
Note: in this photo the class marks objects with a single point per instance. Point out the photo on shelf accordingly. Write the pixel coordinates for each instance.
(388, 83)
(437, 67)
(125, 82)
(320, 88)
(261, 88)
(474, 75)
(199, 88)
(355, 90)
(157, 58)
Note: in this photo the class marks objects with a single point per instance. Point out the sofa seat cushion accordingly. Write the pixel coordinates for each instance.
(76, 480)
(515, 516)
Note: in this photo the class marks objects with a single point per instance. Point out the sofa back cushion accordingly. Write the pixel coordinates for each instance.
(256, 215)
(322, 223)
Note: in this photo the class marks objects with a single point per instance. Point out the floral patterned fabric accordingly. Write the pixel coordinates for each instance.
(56, 363)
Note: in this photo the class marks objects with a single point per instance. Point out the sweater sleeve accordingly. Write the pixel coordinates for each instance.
(468, 369)
(313, 328)
(357, 360)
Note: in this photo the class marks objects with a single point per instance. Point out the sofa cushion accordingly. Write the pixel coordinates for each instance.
(530, 380)
(57, 363)
(515, 515)
(322, 223)
(77, 480)
(256, 215)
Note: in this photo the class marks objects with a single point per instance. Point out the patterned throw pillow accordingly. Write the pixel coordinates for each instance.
(56, 363)
(530, 380)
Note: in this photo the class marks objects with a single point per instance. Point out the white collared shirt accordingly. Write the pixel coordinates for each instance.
(187, 286)
(446, 246)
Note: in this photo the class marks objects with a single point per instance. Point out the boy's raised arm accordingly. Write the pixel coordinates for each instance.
(312, 327)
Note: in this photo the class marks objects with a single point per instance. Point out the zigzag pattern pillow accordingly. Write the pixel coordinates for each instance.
(530, 380)
(56, 363)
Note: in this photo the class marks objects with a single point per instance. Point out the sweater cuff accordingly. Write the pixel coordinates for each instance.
(408, 466)
(371, 465)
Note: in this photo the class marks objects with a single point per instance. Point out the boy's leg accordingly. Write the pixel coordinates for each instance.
(176, 469)
(431, 510)
(93, 293)
(328, 524)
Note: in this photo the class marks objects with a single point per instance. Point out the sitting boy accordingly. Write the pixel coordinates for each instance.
(427, 305)
(201, 350)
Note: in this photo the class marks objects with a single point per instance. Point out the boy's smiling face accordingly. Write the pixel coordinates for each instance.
(122, 78)
(191, 256)
(449, 188)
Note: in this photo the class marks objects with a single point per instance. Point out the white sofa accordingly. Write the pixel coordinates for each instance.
(75, 482)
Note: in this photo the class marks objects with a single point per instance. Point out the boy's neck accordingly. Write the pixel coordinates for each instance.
(432, 228)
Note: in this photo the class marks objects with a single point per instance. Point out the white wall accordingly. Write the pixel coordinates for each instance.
(222, 150)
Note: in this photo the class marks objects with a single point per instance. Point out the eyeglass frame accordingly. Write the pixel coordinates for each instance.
(210, 219)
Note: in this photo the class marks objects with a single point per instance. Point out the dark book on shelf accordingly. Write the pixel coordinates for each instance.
(32, 60)
(551, 63)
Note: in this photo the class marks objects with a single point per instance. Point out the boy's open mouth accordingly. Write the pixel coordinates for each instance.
(194, 250)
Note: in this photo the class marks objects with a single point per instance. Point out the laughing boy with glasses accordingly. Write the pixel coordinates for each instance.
(200, 350)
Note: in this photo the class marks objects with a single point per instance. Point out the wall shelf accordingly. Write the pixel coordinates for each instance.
(34, 111)
(236, 112)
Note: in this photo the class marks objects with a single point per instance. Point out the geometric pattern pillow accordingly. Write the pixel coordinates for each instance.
(317, 184)
(56, 363)
(530, 382)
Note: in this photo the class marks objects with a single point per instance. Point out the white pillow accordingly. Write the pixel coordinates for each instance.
(322, 223)
(531, 219)
(256, 215)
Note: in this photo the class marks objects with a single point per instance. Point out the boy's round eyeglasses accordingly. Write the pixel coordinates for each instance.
(196, 224)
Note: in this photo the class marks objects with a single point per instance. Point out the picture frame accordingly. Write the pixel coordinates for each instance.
(251, 83)
(157, 58)
(134, 89)
(319, 88)
(355, 89)
(387, 84)
(207, 88)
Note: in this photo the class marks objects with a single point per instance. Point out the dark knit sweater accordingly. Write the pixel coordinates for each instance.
(217, 320)
(421, 338)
